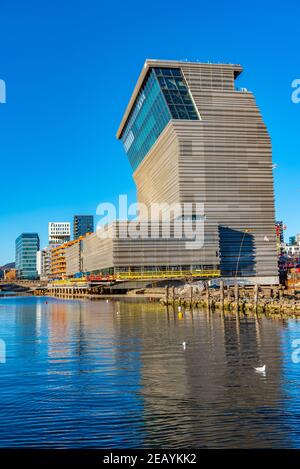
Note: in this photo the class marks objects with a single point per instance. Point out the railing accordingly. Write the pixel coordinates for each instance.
(148, 275)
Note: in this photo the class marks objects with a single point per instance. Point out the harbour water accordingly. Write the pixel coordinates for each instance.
(115, 375)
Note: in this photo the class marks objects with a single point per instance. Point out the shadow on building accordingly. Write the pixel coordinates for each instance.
(237, 253)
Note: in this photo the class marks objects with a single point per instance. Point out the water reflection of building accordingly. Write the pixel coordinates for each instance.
(209, 394)
(115, 374)
(103, 373)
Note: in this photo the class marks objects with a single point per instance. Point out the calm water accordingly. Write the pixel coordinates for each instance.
(97, 374)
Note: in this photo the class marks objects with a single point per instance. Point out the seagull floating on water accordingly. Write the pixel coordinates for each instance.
(184, 345)
(261, 369)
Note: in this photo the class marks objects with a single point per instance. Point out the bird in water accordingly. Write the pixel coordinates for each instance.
(184, 345)
(260, 369)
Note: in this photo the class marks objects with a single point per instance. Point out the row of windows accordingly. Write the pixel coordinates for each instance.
(177, 95)
(149, 117)
(163, 96)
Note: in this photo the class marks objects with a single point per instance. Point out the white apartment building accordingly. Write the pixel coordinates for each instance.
(43, 263)
(59, 232)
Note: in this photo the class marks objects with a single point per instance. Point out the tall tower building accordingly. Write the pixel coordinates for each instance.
(82, 225)
(59, 233)
(192, 136)
(27, 246)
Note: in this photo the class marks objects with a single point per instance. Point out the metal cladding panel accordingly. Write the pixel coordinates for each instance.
(223, 161)
(117, 251)
(157, 177)
(97, 253)
(72, 258)
(169, 251)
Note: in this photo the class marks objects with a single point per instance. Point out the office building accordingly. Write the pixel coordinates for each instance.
(82, 225)
(65, 260)
(43, 261)
(27, 246)
(192, 137)
(59, 233)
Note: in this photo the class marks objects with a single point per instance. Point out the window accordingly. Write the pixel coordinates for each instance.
(164, 96)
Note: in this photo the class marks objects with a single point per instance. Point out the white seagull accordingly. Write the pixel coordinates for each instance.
(184, 345)
(260, 369)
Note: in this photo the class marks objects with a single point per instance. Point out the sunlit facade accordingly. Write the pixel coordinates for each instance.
(164, 95)
(192, 136)
(27, 246)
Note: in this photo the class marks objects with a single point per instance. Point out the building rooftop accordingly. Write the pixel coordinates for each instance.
(166, 63)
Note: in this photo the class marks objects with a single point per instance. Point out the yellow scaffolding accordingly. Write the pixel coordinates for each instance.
(161, 274)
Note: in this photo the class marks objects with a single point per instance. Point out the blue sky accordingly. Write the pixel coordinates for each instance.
(70, 67)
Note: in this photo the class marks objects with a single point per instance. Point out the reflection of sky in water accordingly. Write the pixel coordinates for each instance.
(66, 381)
(97, 374)
(291, 379)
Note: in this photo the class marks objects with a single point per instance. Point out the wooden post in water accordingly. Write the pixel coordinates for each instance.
(207, 296)
(236, 294)
(280, 292)
(222, 295)
(167, 294)
(255, 298)
(191, 299)
(173, 294)
(228, 294)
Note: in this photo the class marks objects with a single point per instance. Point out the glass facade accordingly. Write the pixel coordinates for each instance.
(163, 96)
(83, 224)
(27, 246)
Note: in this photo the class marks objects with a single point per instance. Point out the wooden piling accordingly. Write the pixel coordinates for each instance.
(222, 295)
(280, 292)
(167, 294)
(207, 296)
(173, 294)
(236, 295)
(255, 298)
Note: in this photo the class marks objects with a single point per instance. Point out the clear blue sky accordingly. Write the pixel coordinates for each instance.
(70, 67)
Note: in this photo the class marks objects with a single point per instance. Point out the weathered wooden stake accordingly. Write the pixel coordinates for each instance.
(208, 296)
(280, 292)
(236, 294)
(222, 295)
(173, 294)
(255, 298)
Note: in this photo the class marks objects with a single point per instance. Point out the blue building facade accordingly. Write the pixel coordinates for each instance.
(163, 96)
(27, 246)
(83, 224)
